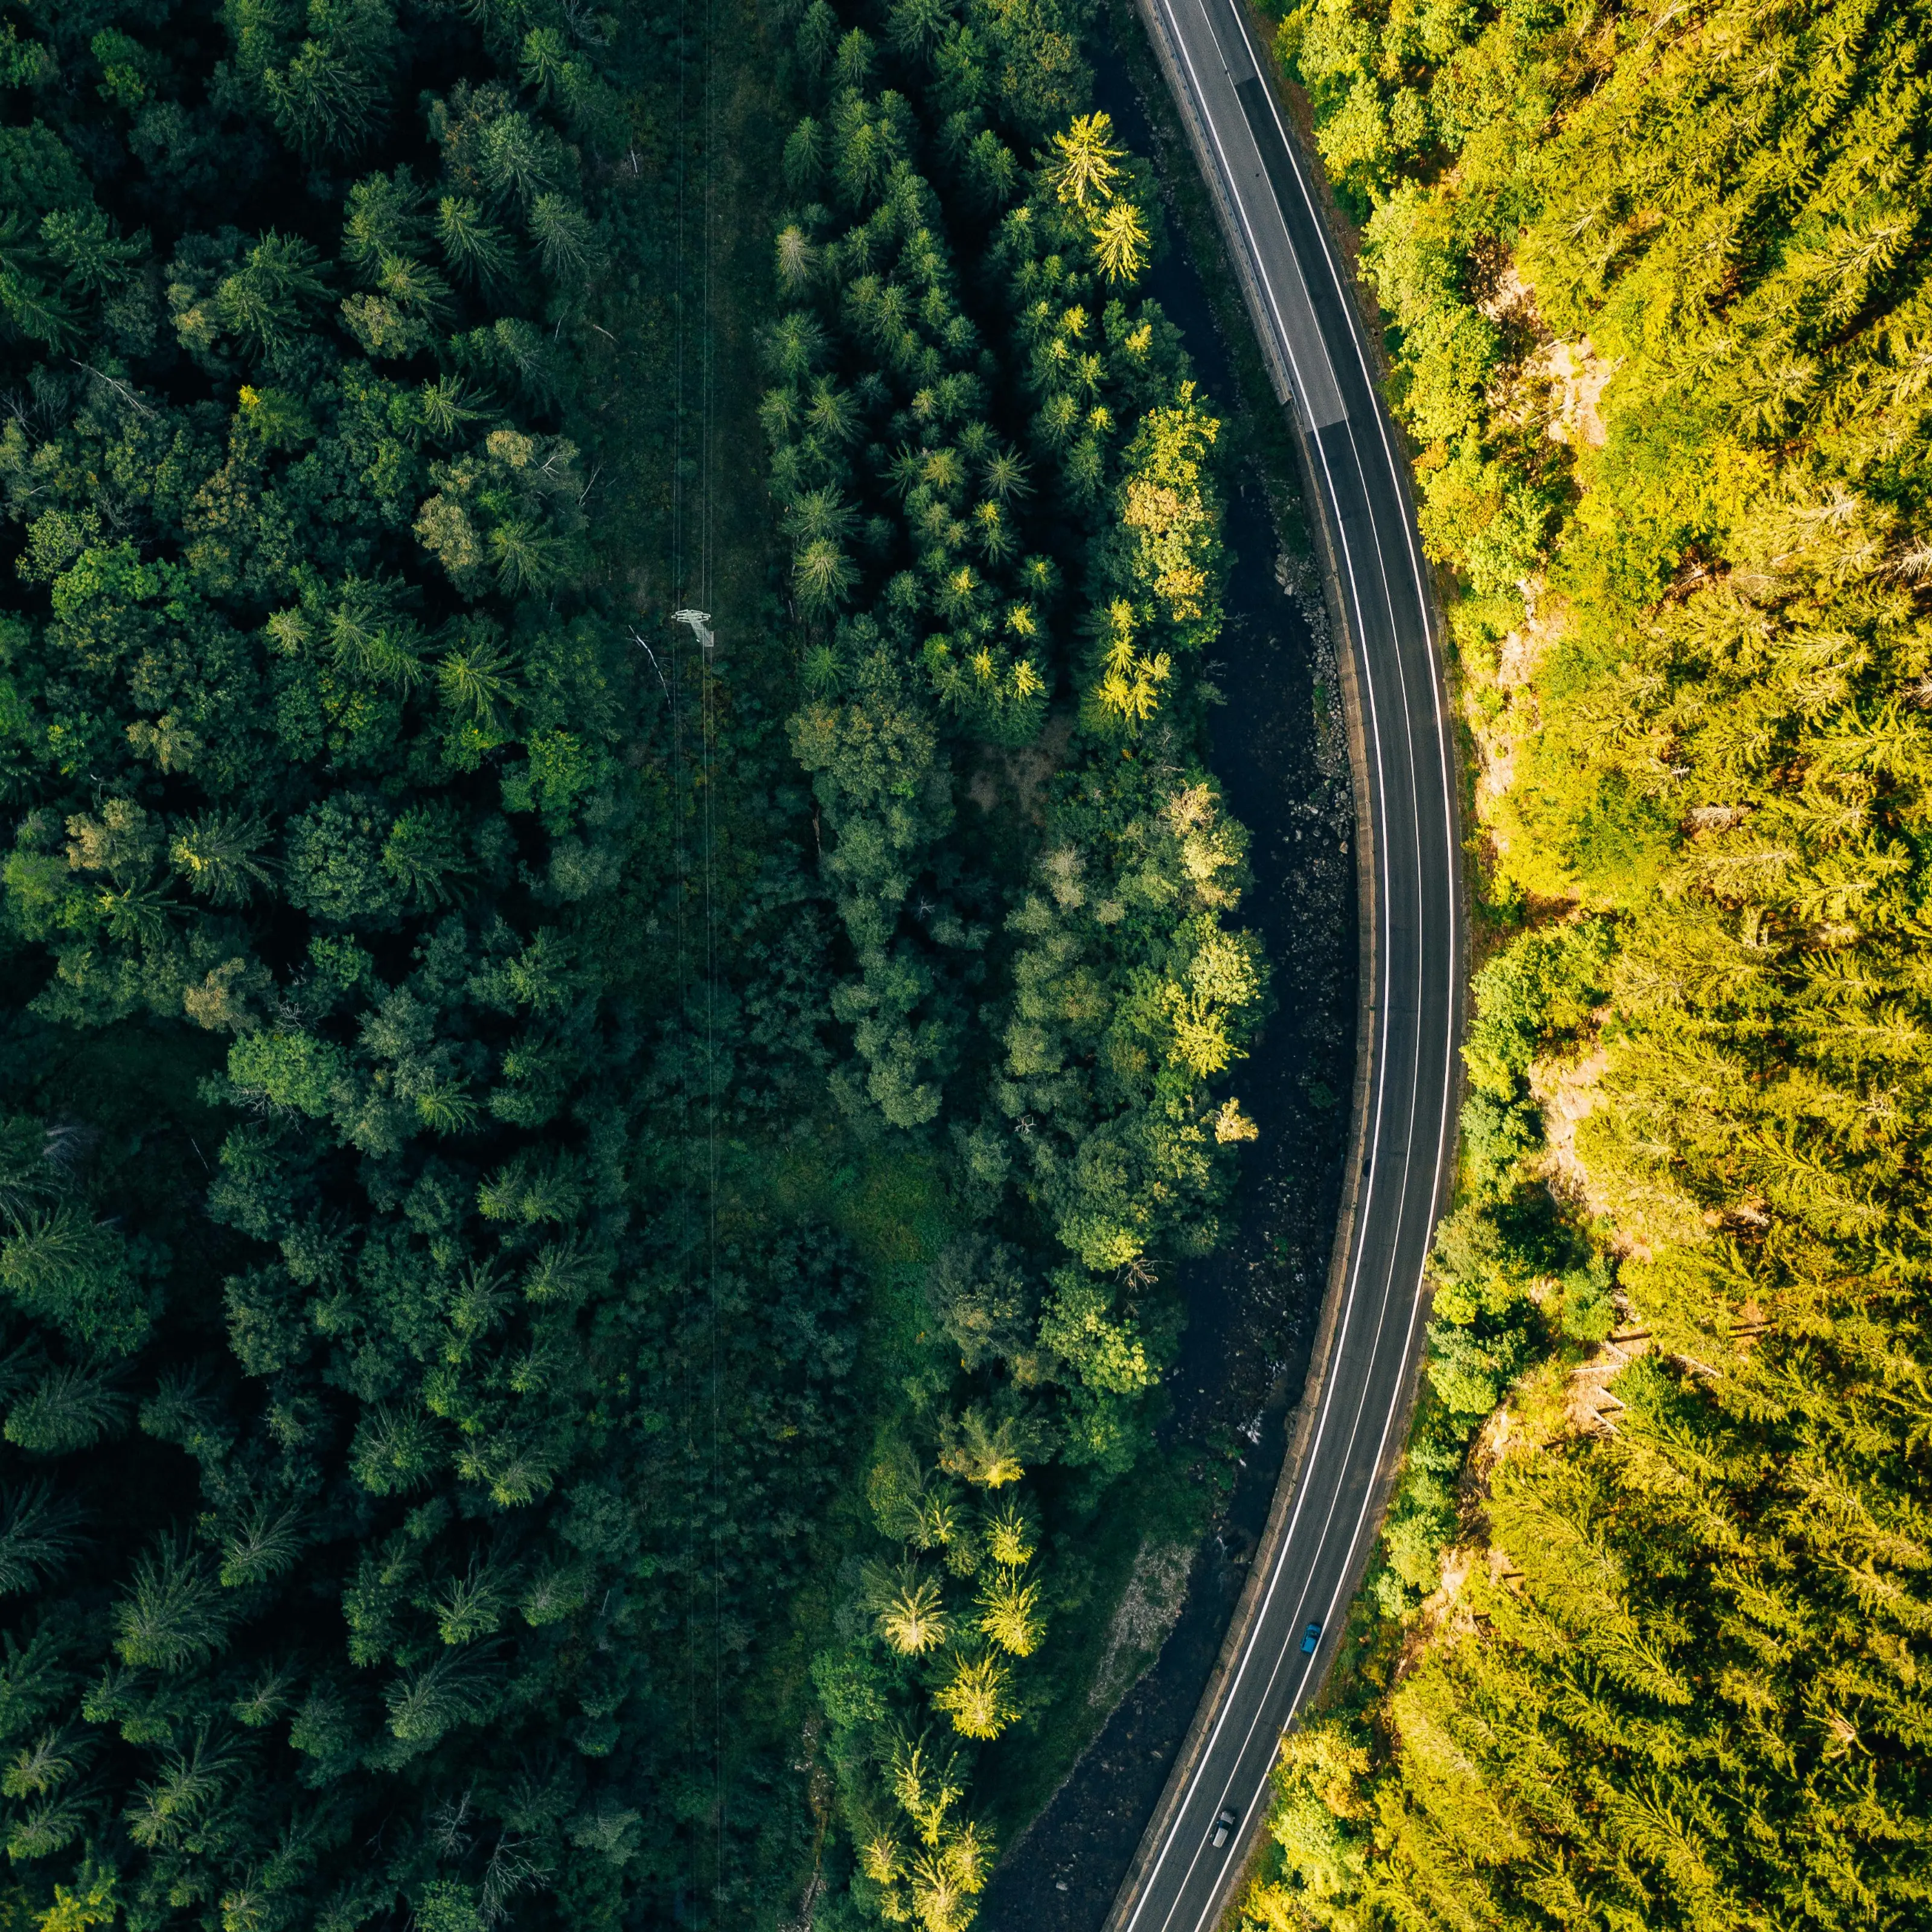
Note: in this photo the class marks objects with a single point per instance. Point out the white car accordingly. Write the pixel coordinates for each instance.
(1223, 1825)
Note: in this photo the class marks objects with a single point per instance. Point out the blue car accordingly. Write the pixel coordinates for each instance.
(1310, 1637)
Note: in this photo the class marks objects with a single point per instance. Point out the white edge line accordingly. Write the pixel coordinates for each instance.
(1263, 281)
(1181, 47)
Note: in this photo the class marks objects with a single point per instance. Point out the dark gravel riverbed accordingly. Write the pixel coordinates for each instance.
(1279, 751)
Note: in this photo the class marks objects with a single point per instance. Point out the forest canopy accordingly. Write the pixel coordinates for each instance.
(464, 1424)
(333, 1302)
(1646, 1644)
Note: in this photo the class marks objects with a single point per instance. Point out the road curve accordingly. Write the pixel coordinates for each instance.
(1310, 331)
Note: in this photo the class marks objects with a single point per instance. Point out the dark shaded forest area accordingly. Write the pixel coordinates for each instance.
(585, 1207)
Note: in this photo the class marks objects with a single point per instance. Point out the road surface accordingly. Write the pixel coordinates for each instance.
(1310, 328)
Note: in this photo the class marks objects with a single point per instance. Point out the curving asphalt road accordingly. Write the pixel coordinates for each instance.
(1311, 330)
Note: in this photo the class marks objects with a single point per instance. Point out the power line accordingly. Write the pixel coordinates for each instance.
(707, 728)
(707, 1492)
(687, 1394)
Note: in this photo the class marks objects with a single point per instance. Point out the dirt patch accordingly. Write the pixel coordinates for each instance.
(1443, 1613)
(1015, 782)
(1591, 1407)
(1566, 1091)
(1500, 708)
(1577, 377)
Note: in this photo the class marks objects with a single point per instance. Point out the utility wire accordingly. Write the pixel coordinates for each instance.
(708, 727)
(693, 1886)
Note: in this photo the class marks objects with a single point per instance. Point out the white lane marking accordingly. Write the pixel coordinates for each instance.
(1449, 1047)
(1239, 50)
(1398, 474)
(1317, 395)
(1381, 1060)
(1445, 757)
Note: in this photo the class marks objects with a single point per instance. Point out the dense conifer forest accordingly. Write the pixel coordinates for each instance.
(1645, 1644)
(585, 1194)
